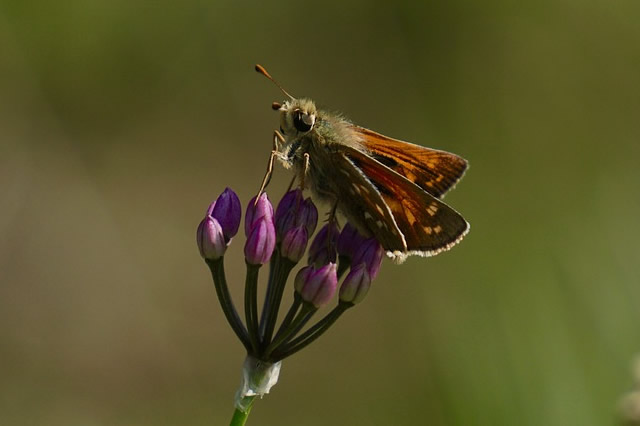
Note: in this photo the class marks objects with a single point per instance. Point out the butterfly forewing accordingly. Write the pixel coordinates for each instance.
(428, 225)
(434, 171)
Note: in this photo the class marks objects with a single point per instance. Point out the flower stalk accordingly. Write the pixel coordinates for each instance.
(222, 290)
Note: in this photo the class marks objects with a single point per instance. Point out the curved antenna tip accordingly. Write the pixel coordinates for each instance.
(261, 70)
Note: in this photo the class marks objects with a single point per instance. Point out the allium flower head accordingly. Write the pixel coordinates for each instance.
(280, 240)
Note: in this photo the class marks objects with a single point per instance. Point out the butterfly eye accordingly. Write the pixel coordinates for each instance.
(302, 121)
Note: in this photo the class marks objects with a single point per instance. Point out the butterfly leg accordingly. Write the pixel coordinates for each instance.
(275, 152)
(305, 170)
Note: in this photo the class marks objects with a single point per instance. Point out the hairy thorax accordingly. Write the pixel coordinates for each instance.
(321, 144)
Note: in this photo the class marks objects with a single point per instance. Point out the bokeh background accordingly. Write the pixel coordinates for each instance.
(121, 120)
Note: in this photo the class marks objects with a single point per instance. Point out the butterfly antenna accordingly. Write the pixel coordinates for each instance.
(264, 72)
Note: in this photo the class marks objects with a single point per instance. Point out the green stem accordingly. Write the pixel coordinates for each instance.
(251, 305)
(284, 334)
(311, 334)
(282, 269)
(240, 417)
(222, 290)
(273, 264)
(294, 329)
(293, 310)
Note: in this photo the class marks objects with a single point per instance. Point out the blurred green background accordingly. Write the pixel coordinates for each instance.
(121, 120)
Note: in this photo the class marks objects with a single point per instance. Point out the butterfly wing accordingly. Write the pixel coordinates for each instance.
(434, 171)
(363, 205)
(428, 225)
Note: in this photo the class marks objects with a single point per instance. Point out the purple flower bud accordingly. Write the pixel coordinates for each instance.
(210, 208)
(289, 202)
(285, 223)
(293, 211)
(301, 278)
(323, 247)
(317, 286)
(227, 211)
(370, 252)
(260, 242)
(294, 244)
(349, 241)
(356, 285)
(257, 211)
(308, 216)
(210, 239)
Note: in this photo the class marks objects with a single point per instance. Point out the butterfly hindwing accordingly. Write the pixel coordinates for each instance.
(432, 170)
(363, 204)
(428, 225)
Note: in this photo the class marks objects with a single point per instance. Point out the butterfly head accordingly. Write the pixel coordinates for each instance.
(297, 116)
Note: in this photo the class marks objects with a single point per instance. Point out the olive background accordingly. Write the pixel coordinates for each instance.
(120, 121)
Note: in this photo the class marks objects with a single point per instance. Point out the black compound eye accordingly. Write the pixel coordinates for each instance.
(303, 122)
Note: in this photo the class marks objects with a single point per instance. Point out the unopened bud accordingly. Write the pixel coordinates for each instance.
(317, 286)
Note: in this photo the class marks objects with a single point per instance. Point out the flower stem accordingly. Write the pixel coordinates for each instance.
(293, 310)
(275, 289)
(220, 281)
(266, 307)
(291, 329)
(311, 334)
(251, 305)
(240, 417)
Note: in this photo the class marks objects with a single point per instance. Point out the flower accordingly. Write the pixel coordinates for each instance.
(323, 247)
(280, 238)
(317, 286)
(356, 285)
(210, 237)
(349, 241)
(308, 216)
(227, 211)
(256, 211)
(289, 202)
(294, 211)
(370, 252)
(261, 233)
(294, 244)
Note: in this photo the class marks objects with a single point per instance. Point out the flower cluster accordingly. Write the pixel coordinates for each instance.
(280, 239)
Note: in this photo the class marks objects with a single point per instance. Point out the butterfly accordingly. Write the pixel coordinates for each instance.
(387, 188)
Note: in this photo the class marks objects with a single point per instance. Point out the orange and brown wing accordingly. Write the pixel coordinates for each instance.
(428, 225)
(432, 170)
(363, 204)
